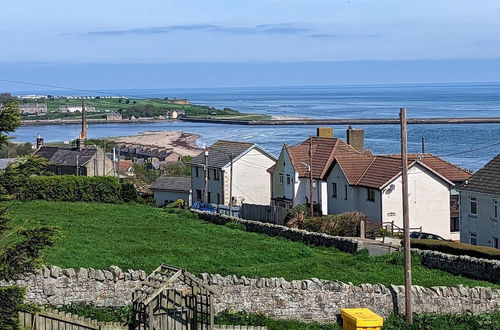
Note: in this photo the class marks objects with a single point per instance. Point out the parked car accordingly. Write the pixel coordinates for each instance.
(421, 235)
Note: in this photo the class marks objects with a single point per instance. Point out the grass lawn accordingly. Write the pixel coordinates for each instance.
(141, 237)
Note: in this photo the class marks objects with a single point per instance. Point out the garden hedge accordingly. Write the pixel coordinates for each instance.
(456, 248)
(10, 299)
(103, 189)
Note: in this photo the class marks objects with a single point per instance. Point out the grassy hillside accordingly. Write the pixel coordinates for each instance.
(141, 237)
(139, 108)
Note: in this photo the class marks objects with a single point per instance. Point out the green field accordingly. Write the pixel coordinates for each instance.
(139, 108)
(141, 237)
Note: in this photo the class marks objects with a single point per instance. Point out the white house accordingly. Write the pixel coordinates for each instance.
(167, 190)
(250, 180)
(290, 177)
(480, 206)
(373, 185)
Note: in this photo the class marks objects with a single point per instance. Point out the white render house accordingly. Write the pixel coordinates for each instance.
(373, 185)
(290, 176)
(480, 206)
(250, 180)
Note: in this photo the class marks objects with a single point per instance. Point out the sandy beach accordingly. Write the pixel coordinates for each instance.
(182, 143)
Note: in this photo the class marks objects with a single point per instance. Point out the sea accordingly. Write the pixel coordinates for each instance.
(467, 145)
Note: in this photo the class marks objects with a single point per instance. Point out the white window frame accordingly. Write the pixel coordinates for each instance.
(495, 210)
(288, 179)
(280, 175)
(471, 201)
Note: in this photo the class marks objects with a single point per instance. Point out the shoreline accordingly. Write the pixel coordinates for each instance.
(181, 142)
(278, 120)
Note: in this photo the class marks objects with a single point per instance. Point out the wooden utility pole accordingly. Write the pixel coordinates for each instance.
(118, 162)
(206, 176)
(423, 145)
(406, 218)
(311, 206)
(231, 184)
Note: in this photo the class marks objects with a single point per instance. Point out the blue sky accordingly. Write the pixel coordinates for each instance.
(234, 39)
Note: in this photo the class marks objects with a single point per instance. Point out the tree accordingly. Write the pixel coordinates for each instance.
(10, 119)
(20, 248)
(13, 150)
(15, 175)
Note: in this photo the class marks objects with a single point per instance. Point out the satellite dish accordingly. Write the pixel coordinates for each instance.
(392, 187)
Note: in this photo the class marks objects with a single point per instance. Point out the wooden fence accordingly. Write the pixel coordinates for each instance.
(264, 213)
(55, 320)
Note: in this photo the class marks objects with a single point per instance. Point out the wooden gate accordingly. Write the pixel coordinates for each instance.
(173, 299)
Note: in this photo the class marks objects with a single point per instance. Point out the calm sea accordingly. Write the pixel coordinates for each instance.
(469, 146)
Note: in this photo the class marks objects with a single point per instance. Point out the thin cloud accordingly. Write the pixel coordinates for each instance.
(341, 36)
(257, 29)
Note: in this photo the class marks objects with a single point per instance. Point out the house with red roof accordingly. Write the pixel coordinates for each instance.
(373, 185)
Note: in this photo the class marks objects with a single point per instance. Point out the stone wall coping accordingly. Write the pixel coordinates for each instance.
(114, 273)
(454, 256)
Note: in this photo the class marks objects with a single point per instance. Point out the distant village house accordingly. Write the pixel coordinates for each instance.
(75, 108)
(167, 190)
(113, 116)
(33, 108)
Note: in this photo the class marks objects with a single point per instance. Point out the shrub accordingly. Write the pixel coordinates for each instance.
(345, 224)
(297, 216)
(101, 189)
(121, 314)
(128, 192)
(178, 204)
(10, 299)
(456, 248)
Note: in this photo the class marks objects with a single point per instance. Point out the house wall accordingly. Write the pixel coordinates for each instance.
(339, 204)
(429, 202)
(251, 179)
(484, 223)
(284, 166)
(164, 197)
(95, 166)
(214, 186)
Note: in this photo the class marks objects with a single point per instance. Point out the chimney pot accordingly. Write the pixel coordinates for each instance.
(356, 138)
(39, 141)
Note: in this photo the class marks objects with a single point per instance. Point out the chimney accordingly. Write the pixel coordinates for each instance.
(326, 132)
(356, 138)
(83, 133)
(39, 141)
(80, 143)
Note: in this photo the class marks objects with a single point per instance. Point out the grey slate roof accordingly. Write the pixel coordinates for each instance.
(175, 183)
(487, 179)
(219, 153)
(6, 161)
(66, 156)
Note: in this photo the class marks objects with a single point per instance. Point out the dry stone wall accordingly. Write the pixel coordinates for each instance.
(311, 299)
(345, 244)
(478, 268)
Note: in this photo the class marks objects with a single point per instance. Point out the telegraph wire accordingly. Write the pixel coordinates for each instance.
(471, 150)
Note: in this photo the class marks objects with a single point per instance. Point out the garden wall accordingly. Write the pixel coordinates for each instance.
(345, 244)
(482, 269)
(304, 299)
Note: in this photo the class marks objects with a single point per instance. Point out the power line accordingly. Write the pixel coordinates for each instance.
(67, 88)
(471, 150)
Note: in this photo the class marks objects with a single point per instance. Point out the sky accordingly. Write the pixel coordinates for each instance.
(247, 42)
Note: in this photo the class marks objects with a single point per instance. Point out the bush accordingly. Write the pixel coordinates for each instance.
(128, 192)
(456, 248)
(464, 321)
(345, 224)
(103, 189)
(178, 204)
(297, 216)
(10, 299)
(102, 314)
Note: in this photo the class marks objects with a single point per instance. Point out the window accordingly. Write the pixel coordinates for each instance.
(345, 189)
(288, 181)
(371, 195)
(473, 205)
(196, 174)
(281, 178)
(334, 189)
(495, 209)
(216, 175)
(209, 200)
(454, 224)
(218, 198)
(494, 242)
(198, 194)
(473, 238)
